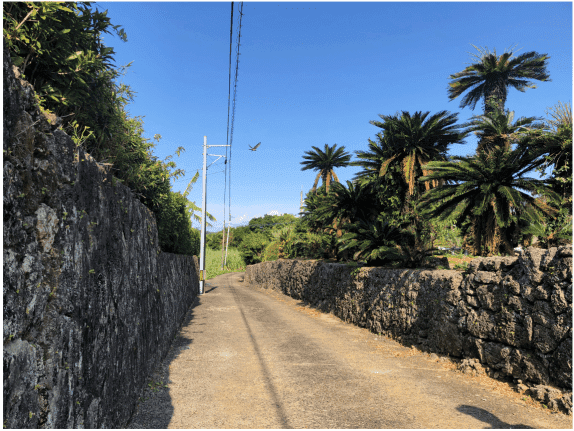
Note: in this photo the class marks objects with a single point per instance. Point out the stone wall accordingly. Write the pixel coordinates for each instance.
(90, 303)
(512, 315)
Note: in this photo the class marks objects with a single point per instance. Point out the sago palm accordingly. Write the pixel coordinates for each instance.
(325, 162)
(376, 242)
(372, 159)
(490, 77)
(554, 143)
(348, 204)
(497, 129)
(415, 140)
(492, 191)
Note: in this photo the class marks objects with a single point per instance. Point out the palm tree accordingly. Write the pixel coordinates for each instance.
(412, 141)
(192, 207)
(490, 77)
(324, 162)
(376, 242)
(314, 209)
(372, 160)
(496, 129)
(492, 191)
(557, 145)
(348, 204)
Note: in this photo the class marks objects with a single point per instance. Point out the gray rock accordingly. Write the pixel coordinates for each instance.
(509, 313)
(90, 302)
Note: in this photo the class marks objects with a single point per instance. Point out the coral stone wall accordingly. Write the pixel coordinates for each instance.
(90, 302)
(514, 314)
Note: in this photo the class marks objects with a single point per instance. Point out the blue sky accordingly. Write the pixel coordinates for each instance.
(313, 74)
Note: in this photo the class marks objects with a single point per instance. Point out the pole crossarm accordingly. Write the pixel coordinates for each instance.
(214, 155)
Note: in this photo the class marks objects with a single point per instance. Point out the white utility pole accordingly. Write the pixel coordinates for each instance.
(202, 273)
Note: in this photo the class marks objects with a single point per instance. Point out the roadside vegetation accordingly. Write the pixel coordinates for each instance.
(411, 200)
(58, 48)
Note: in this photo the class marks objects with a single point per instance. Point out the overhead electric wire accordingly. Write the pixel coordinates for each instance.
(234, 100)
(228, 105)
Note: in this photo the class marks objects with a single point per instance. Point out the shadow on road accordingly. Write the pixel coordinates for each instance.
(154, 407)
(265, 370)
(487, 417)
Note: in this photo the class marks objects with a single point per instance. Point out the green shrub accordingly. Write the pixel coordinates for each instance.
(59, 49)
(272, 251)
(308, 245)
(252, 247)
(213, 240)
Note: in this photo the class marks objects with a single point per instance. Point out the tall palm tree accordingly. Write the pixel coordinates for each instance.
(492, 191)
(496, 129)
(489, 78)
(413, 141)
(324, 162)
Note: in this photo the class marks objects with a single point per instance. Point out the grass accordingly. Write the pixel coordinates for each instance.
(213, 262)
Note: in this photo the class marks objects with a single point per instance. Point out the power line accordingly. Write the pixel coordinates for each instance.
(228, 104)
(234, 100)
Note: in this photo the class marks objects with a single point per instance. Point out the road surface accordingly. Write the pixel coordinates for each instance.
(247, 357)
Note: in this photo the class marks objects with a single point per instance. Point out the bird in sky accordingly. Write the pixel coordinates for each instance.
(255, 147)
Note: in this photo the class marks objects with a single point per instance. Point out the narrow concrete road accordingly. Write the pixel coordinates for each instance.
(252, 358)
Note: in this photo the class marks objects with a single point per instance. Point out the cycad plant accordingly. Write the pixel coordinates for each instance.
(554, 144)
(492, 191)
(411, 141)
(497, 129)
(375, 242)
(554, 232)
(490, 77)
(346, 204)
(325, 161)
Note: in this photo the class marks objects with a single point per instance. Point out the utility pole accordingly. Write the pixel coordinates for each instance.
(203, 211)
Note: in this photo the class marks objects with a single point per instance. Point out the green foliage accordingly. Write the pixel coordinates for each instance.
(174, 227)
(59, 49)
(270, 223)
(445, 233)
(252, 247)
(488, 189)
(554, 231)
(325, 162)
(308, 245)
(213, 240)
(272, 251)
(489, 78)
(213, 262)
(376, 242)
(237, 234)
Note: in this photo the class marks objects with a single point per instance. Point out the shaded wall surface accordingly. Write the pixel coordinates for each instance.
(90, 303)
(514, 314)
